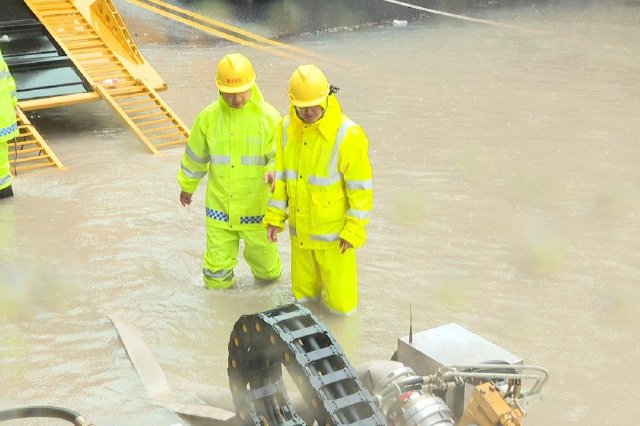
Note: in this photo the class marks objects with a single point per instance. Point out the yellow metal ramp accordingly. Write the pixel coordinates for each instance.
(96, 47)
(28, 150)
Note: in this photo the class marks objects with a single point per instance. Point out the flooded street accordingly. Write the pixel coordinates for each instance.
(507, 200)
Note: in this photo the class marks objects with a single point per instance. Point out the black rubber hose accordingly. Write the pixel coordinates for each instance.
(44, 411)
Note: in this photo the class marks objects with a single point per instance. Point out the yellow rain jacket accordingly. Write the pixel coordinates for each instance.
(8, 126)
(236, 150)
(323, 180)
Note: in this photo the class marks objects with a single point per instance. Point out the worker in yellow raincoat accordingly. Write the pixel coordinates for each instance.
(8, 125)
(232, 141)
(324, 188)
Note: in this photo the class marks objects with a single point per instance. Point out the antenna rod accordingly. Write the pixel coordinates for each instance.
(410, 325)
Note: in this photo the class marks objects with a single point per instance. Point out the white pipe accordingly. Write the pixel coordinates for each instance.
(462, 17)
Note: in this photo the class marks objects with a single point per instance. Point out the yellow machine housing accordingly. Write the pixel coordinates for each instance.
(487, 407)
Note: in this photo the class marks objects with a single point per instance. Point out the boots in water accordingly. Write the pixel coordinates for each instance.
(6, 192)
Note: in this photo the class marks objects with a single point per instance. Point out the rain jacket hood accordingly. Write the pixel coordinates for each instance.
(256, 100)
(328, 123)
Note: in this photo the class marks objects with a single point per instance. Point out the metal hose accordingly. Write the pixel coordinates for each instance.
(44, 411)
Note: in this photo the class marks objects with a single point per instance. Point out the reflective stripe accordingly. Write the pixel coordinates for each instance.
(190, 174)
(14, 94)
(325, 237)
(333, 172)
(225, 274)
(251, 219)
(279, 175)
(359, 184)
(346, 125)
(308, 299)
(291, 174)
(280, 205)
(6, 131)
(253, 160)
(4, 74)
(285, 124)
(360, 214)
(220, 159)
(319, 181)
(195, 157)
(217, 215)
(5, 179)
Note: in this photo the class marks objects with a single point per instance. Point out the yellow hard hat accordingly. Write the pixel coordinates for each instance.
(234, 74)
(308, 86)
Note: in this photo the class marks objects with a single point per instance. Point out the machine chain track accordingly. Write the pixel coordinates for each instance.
(292, 336)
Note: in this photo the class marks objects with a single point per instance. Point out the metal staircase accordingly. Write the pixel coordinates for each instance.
(150, 118)
(28, 150)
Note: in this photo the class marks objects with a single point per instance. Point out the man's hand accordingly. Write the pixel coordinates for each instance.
(272, 233)
(345, 245)
(185, 198)
(270, 179)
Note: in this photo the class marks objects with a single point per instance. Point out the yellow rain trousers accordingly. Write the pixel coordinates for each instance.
(8, 126)
(312, 268)
(324, 188)
(235, 148)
